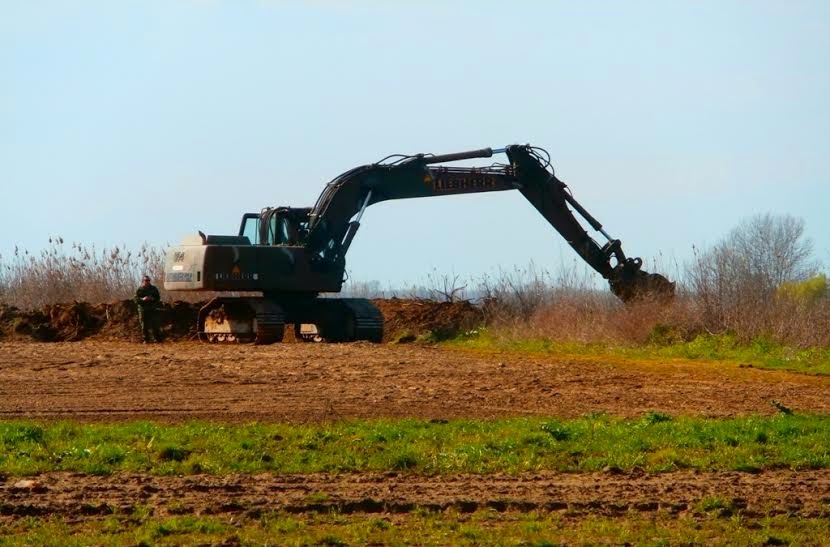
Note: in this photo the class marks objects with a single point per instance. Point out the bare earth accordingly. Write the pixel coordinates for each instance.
(94, 380)
(76, 497)
(104, 381)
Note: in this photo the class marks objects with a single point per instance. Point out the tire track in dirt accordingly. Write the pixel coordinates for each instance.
(77, 496)
(94, 380)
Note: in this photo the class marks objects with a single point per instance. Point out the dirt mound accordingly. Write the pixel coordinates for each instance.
(15, 323)
(178, 320)
(79, 320)
(405, 320)
(73, 321)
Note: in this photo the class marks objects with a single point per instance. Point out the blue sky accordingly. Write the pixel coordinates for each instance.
(125, 122)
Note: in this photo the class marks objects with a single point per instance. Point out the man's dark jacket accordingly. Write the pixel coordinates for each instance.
(150, 291)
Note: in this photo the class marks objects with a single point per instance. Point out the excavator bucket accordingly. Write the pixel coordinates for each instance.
(630, 284)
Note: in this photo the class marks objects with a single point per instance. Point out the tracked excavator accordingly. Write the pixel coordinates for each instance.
(287, 256)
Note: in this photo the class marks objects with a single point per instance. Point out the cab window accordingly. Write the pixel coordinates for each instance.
(250, 228)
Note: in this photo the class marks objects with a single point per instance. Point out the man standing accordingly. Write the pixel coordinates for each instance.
(147, 297)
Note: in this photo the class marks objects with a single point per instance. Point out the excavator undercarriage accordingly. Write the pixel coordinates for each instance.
(262, 320)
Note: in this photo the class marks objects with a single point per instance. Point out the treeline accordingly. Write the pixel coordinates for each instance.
(760, 281)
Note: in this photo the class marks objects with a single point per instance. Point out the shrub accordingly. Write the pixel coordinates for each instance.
(736, 280)
(809, 291)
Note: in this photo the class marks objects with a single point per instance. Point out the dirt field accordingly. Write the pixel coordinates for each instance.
(105, 380)
(96, 380)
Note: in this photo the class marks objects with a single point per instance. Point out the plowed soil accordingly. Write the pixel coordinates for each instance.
(101, 380)
(75, 496)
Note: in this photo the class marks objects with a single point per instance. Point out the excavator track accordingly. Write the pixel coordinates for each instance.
(241, 320)
(262, 320)
(269, 325)
(344, 320)
(368, 320)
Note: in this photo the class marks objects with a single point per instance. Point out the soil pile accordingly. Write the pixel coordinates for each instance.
(79, 320)
(405, 320)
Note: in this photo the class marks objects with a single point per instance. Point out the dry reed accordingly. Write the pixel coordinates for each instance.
(80, 273)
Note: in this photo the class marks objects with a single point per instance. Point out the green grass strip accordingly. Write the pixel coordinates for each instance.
(656, 442)
(419, 528)
(759, 353)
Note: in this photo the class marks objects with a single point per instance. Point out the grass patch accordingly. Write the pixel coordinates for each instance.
(421, 528)
(655, 442)
(760, 353)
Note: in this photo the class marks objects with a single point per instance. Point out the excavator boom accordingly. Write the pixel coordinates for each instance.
(529, 172)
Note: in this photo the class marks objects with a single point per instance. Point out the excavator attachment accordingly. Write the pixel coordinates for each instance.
(631, 284)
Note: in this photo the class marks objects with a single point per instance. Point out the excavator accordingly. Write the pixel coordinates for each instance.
(284, 258)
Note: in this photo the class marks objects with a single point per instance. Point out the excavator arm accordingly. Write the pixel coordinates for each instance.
(335, 218)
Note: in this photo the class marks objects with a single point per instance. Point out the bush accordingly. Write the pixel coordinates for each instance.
(761, 281)
(809, 291)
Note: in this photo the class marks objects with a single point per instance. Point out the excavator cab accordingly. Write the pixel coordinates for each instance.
(276, 226)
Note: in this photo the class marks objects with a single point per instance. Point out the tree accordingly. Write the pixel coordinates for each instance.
(742, 273)
(773, 248)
